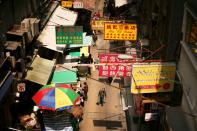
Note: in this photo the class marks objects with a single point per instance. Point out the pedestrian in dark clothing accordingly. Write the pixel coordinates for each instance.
(80, 91)
(105, 9)
(95, 38)
(82, 58)
(89, 61)
(101, 97)
(85, 90)
(110, 79)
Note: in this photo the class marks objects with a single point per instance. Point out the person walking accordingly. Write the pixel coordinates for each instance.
(101, 97)
(85, 90)
(89, 61)
(81, 92)
(83, 58)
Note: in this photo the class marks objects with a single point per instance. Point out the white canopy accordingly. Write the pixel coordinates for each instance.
(60, 16)
(119, 3)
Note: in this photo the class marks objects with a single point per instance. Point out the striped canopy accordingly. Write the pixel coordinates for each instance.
(56, 97)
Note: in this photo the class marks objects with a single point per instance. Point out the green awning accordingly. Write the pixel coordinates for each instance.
(74, 53)
(65, 76)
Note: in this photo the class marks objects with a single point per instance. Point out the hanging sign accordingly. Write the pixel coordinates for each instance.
(114, 70)
(67, 4)
(21, 87)
(113, 58)
(152, 78)
(120, 31)
(69, 34)
(78, 4)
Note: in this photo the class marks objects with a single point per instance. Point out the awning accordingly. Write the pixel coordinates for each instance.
(61, 16)
(5, 84)
(119, 3)
(67, 76)
(74, 54)
(41, 71)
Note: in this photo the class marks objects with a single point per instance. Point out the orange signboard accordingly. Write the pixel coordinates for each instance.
(67, 4)
(153, 78)
(120, 31)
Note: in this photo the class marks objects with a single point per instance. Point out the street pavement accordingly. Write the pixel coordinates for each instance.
(109, 117)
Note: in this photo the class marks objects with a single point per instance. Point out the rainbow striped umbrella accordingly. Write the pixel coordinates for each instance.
(56, 97)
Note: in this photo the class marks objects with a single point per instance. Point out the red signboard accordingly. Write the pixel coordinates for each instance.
(114, 70)
(112, 58)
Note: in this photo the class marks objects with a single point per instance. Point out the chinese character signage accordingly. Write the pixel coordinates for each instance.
(152, 78)
(67, 4)
(120, 31)
(112, 58)
(69, 35)
(78, 4)
(114, 70)
(21, 87)
(99, 24)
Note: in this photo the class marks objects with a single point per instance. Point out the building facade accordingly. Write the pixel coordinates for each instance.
(187, 64)
(12, 12)
(174, 25)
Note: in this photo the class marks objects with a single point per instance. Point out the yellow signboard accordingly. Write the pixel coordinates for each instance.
(152, 78)
(120, 31)
(99, 24)
(67, 4)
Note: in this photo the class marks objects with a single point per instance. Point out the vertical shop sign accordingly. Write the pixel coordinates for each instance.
(120, 31)
(152, 78)
(69, 34)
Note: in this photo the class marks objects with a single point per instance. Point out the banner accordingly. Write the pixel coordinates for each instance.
(152, 78)
(120, 31)
(66, 4)
(114, 70)
(69, 34)
(112, 58)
